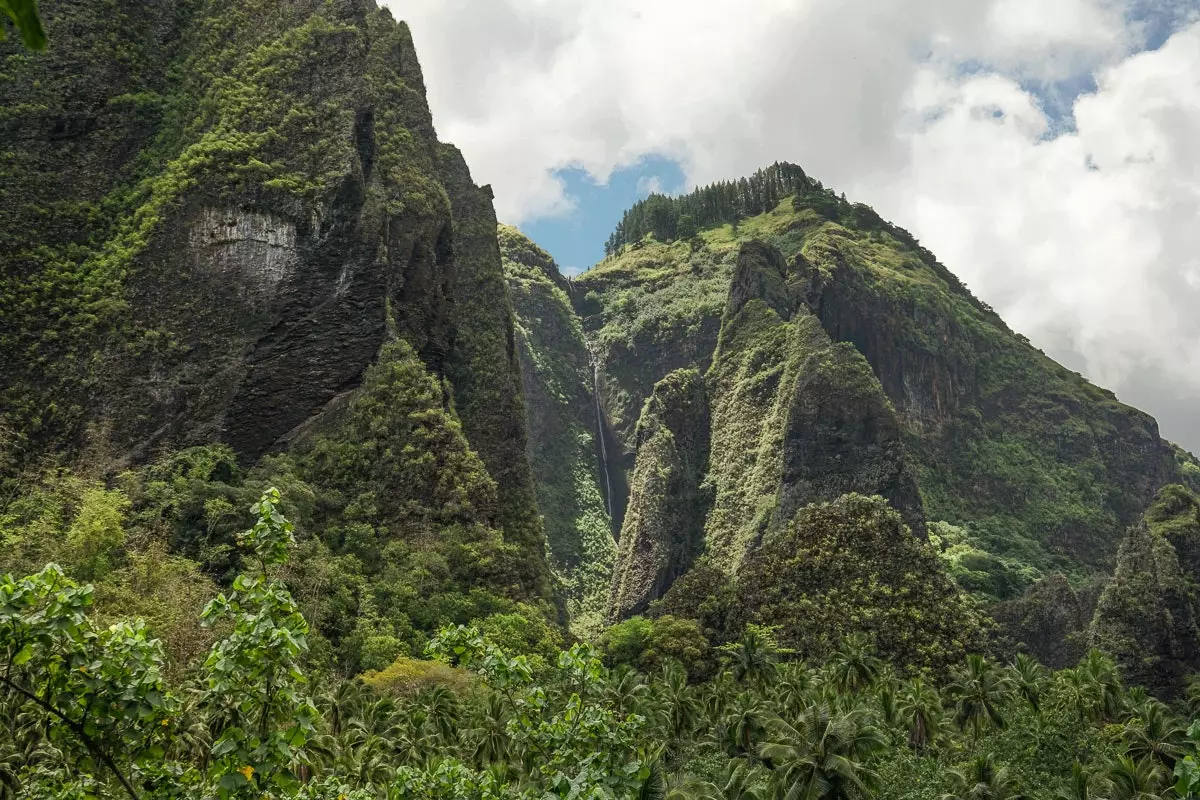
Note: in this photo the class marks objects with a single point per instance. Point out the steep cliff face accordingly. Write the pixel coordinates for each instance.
(784, 418)
(216, 218)
(1146, 617)
(1042, 470)
(225, 269)
(561, 417)
(797, 419)
(663, 531)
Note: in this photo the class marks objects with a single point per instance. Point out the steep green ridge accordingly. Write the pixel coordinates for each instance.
(663, 530)
(560, 415)
(234, 253)
(1037, 469)
(1147, 615)
(797, 419)
(483, 366)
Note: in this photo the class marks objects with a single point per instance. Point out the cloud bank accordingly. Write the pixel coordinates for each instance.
(1037, 146)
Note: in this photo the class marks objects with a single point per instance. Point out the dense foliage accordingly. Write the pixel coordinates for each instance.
(92, 714)
(668, 218)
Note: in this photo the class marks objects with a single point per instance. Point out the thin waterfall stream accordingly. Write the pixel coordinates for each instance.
(600, 434)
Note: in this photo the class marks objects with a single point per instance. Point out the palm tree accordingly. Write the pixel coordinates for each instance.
(343, 703)
(920, 710)
(1076, 692)
(1127, 779)
(745, 780)
(1079, 787)
(793, 687)
(688, 787)
(491, 734)
(981, 779)
(980, 689)
(627, 689)
(820, 754)
(441, 712)
(1101, 670)
(855, 665)
(742, 725)
(679, 706)
(1153, 732)
(754, 657)
(1030, 679)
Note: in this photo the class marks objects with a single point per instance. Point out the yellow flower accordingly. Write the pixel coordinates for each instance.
(247, 771)
(166, 721)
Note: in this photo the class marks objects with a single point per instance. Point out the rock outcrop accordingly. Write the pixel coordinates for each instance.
(663, 532)
(1146, 618)
(797, 419)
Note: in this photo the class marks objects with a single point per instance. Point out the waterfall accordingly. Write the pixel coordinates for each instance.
(600, 433)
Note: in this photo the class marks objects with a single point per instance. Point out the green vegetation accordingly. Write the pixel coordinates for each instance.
(663, 530)
(1025, 468)
(560, 419)
(93, 715)
(1146, 617)
(710, 206)
(23, 14)
(239, 271)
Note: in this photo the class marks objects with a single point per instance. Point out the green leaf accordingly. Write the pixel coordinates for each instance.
(23, 655)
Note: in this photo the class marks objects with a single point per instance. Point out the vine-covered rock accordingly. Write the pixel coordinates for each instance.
(663, 532)
(853, 566)
(1146, 618)
(797, 419)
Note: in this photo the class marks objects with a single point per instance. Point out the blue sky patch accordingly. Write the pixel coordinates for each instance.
(576, 240)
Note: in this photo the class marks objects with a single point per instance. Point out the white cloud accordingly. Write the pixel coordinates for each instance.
(649, 186)
(1086, 240)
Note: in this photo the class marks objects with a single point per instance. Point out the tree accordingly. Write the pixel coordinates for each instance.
(982, 780)
(23, 14)
(1030, 680)
(100, 692)
(753, 659)
(254, 682)
(821, 754)
(855, 664)
(1127, 779)
(980, 688)
(920, 709)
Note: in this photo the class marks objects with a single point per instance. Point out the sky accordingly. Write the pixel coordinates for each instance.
(1048, 151)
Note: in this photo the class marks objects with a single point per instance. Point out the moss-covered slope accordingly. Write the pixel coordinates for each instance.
(1146, 617)
(663, 530)
(561, 417)
(1041, 470)
(796, 418)
(218, 221)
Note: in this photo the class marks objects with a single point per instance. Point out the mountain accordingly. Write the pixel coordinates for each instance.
(839, 355)
(235, 253)
(765, 504)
